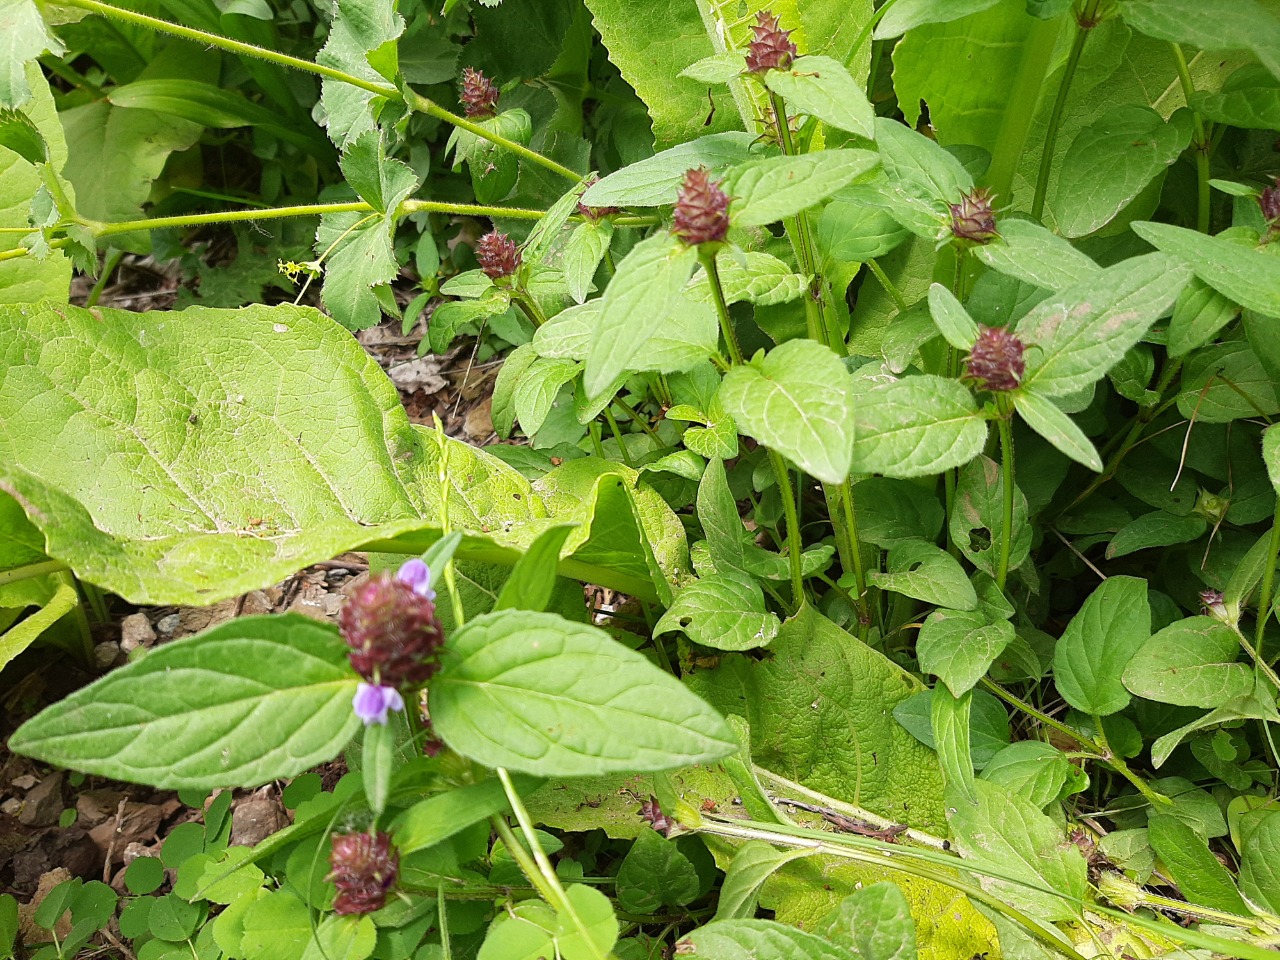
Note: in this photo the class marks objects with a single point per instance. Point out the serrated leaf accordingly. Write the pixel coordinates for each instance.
(19, 134)
(797, 400)
(641, 300)
(1082, 331)
(951, 318)
(537, 693)
(1099, 642)
(751, 939)
(381, 182)
(916, 426)
(753, 863)
(1249, 276)
(924, 571)
(1047, 419)
(180, 716)
(1030, 253)
(360, 257)
(757, 278)
(822, 87)
(959, 647)
(1191, 663)
(358, 28)
(724, 611)
(23, 37)
(1111, 161)
(769, 190)
(653, 182)
(1155, 529)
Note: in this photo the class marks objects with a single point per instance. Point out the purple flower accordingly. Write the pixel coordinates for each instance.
(417, 575)
(372, 702)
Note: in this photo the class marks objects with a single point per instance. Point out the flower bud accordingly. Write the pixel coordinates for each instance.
(1269, 201)
(479, 95)
(1120, 892)
(771, 47)
(498, 255)
(652, 814)
(702, 209)
(364, 869)
(995, 363)
(393, 633)
(1214, 604)
(595, 213)
(973, 218)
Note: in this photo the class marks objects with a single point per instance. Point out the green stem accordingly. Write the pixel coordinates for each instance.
(870, 25)
(1005, 426)
(639, 421)
(1268, 583)
(529, 307)
(617, 435)
(793, 524)
(528, 866)
(31, 570)
(108, 268)
(707, 258)
(1084, 26)
(889, 286)
(844, 518)
(1260, 665)
(1198, 140)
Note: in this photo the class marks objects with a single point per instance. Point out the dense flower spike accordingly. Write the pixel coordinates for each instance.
(771, 47)
(393, 633)
(364, 869)
(498, 255)
(702, 209)
(1269, 201)
(479, 95)
(995, 362)
(372, 703)
(973, 218)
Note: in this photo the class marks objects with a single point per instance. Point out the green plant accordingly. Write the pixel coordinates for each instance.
(820, 484)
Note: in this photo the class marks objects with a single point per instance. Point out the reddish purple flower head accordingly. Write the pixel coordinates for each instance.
(364, 869)
(974, 218)
(393, 631)
(771, 47)
(498, 255)
(1269, 201)
(995, 362)
(702, 209)
(479, 95)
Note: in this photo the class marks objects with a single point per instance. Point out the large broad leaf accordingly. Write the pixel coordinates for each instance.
(751, 939)
(906, 14)
(959, 647)
(1084, 330)
(1260, 865)
(1112, 161)
(1249, 276)
(819, 709)
(257, 699)
(769, 190)
(176, 476)
(917, 426)
(23, 37)
(1241, 25)
(1200, 876)
(28, 279)
(1098, 644)
(875, 924)
(924, 571)
(359, 28)
(653, 182)
(537, 693)
(1191, 663)
(821, 87)
(797, 400)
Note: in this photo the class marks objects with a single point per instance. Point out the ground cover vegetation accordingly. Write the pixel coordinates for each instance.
(907, 370)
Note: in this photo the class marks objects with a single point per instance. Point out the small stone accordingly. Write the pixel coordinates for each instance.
(43, 803)
(254, 819)
(31, 932)
(136, 631)
(94, 806)
(167, 625)
(105, 654)
(26, 781)
(332, 603)
(11, 807)
(135, 850)
(255, 603)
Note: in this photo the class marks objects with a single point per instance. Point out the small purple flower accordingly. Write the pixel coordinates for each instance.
(372, 703)
(417, 575)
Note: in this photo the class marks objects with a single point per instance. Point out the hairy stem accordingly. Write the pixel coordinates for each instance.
(707, 258)
(31, 570)
(783, 474)
(1198, 140)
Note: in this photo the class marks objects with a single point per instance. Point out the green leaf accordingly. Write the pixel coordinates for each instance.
(753, 863)
(1260, 864)
(949, 724)
(1155, 529)
(978, 517)
(1191, 663)
(1244, 25)
(1099, 642)
(1009, 835)
(1084, 330)
(816, 708)
(796, 400)
(381, 182)
(582, 253)
(1200, 877)
(1250, 99)
(535, 391)
(177, 718)
(821, 87)
(1030, 253)
(359, 27)
(439, 817)
(923, 180)
(924, 571)
(756, 277)
(1031, 769)
(23, 37)
(533, 578)
(360, 258)
(718, 440)
(717, 68)
(1111, 161)
(916, 426)
(765, 191)
(642, 298)
(874, 924)
(595, 910)
(278, 925)
(377, 763)
(1271, 455)
(988, 727)
(724, 611)
(752, 939)
(654, 874)
(20, 134)
(63, 599)
(849, 231)
(1249, 276)
(1225, 382)
(1199, 313)
(653, 182)
(959, 647)
(342, 938)
(1047, 419)
(951, 318)
(906, 14)
(537, 693)
(890, 511)
(524, 932)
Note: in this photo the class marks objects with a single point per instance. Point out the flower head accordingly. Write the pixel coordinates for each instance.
(595, 213)
(372, 703)
(771, 47)
(479, 95)
(393, 633)
(417, 575)
(651, 813)
(1269, 201)
(995, 362)
(498, 255)
(1214, 604)
(973, 218)
(364, 869)
(702, 209)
